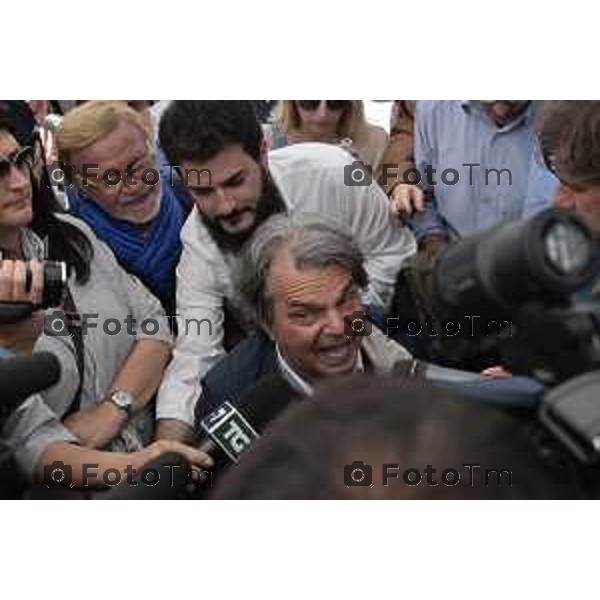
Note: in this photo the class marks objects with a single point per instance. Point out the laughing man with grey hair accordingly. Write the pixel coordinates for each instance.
(302, 278)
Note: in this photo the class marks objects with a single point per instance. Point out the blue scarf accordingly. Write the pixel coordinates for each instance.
(152, 257)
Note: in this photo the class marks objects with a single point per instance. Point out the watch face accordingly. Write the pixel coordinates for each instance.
(122, 398)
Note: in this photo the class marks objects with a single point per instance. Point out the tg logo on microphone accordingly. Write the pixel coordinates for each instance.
(230, 431)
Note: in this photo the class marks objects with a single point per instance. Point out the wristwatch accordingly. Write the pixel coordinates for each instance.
(123, 400)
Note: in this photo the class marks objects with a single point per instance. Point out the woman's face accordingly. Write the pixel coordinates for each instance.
(15, 184)
(320, 117)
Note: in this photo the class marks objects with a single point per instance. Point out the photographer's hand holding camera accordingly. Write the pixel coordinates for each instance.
(33, 432)
(82, 273)
(20, 337)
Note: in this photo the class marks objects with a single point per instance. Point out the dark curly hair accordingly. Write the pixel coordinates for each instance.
(198, 130)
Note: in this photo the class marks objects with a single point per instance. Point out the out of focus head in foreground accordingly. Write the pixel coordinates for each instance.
(569, 133)
(363, 438)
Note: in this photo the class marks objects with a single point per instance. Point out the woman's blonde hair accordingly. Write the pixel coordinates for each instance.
(87, 123)
(353, 123)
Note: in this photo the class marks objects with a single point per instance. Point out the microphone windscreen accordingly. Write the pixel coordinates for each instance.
(23, 376)
(266, 400)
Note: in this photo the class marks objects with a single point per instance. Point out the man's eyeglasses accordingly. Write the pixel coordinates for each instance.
(548, 158)
(333, 105)
(21, 159)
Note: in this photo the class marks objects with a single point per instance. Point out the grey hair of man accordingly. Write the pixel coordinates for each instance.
(310, 240)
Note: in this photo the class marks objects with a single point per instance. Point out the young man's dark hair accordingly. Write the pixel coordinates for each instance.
(198, 130)
(311, 452)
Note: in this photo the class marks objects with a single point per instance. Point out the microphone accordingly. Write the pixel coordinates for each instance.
(230, 431)
(23, 376)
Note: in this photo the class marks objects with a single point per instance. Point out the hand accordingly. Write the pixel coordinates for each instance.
(195, 457)
(496, 372)
(13, 281)
(173, 429)
(405, 199)
(20, 337)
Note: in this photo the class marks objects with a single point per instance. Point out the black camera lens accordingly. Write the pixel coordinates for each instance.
(55, 283)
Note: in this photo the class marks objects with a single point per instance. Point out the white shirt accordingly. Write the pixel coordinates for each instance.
(310, 178)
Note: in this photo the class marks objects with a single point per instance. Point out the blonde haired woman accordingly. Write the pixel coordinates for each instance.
(141, 215)
(340, 122)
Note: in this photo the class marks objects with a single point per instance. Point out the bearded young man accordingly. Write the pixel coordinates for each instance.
(219, 149)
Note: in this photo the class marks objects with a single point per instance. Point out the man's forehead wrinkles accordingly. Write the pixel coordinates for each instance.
(315, 291)
(295, 289)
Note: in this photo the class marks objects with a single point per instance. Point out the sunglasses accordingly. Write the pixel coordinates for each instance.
(21, 159)
(333, 105)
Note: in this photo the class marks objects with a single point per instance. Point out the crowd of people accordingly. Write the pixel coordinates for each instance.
(223, 245)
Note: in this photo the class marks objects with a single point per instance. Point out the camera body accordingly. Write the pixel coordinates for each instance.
(533, 273)
(55, 283)
(55, 286)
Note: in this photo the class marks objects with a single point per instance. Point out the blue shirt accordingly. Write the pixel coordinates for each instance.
(4, 353)
(453, 134)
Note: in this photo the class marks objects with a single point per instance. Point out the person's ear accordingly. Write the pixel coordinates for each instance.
(564, 197)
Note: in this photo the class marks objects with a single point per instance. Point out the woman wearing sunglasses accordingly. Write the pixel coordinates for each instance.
(109, 374)
(340, 122)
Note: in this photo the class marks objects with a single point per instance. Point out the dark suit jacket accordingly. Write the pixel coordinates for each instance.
(255, 358)
(251, 360)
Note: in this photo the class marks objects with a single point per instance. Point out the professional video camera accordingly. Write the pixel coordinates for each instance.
(55, 282)
(21, 377)
(529, 275)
